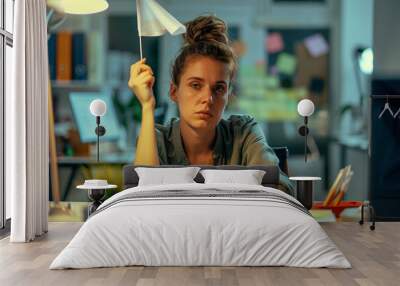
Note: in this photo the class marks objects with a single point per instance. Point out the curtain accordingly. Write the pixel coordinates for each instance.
(27, 123)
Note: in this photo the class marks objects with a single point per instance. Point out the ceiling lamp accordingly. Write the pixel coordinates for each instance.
(79, 7)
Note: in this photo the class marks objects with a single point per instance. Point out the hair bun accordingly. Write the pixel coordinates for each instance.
(206, 29)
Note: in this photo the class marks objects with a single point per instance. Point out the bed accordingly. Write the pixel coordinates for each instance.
(199, 224)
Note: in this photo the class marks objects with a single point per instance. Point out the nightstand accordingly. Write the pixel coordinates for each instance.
(304, 190)
(96, 190)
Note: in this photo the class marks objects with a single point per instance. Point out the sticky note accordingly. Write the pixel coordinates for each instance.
(286, 64)
(316, 45)
(273, 70)
(274, 43)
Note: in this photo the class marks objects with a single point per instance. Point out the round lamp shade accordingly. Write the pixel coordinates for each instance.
(366, 61)
(98, 107)
(80, 7)
(305, 107)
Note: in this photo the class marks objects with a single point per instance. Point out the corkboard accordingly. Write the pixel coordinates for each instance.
(312, 73)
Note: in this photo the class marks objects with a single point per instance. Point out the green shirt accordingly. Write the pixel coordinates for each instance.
(239, 141)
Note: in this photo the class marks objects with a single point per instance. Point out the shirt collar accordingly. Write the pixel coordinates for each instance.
(179, 154)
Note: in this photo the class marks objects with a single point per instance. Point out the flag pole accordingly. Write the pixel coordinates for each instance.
(138, 16)
(140, 42)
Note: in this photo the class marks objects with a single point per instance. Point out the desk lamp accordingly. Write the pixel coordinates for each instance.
(97, 188)
(305, 108)
(363, 66)
(304, 188)
(98, 108)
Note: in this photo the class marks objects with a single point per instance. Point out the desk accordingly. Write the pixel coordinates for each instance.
(75, 163)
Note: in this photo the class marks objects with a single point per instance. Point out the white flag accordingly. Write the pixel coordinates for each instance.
(154, 20)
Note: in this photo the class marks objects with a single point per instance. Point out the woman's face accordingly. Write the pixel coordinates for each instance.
(202, 93)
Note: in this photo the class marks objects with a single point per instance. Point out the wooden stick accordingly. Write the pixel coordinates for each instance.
(139, 26)
(334, 188)
(343, 189)
(55, 182)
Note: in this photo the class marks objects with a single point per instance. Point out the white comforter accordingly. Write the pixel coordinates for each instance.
(182, 231)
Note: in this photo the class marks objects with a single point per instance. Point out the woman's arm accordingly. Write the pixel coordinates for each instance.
(146, 149)
(141, 83)
(258, 152)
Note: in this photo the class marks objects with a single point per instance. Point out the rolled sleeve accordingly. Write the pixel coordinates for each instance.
(161, 146)
(256, 151)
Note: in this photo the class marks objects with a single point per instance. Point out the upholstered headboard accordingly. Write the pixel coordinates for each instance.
(282, 153)
(270, 179)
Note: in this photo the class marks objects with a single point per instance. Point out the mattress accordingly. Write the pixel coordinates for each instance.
(201, 225)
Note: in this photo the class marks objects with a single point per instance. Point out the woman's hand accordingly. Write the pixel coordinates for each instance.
(141, 82)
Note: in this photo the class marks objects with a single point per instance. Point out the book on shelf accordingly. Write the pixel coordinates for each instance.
(79, 66)
(76, 57)
(52, 55)
(64, 55)
(96, 65)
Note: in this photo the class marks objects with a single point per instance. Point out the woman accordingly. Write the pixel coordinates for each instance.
(201, 79)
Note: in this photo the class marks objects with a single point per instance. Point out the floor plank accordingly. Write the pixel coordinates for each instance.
(374, 255)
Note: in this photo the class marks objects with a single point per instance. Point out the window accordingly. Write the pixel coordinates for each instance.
(6, 44)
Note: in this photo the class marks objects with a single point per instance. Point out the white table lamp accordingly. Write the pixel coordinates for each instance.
(305, 108)
(98, 108)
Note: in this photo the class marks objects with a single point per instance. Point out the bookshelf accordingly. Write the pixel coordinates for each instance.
(78, 53)
(75, 85)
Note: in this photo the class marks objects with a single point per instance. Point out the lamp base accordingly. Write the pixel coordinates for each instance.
(96, 196)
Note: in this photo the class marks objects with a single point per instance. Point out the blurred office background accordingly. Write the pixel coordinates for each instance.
(288, 50)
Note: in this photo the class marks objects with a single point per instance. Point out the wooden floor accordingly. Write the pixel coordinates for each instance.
(375, 256)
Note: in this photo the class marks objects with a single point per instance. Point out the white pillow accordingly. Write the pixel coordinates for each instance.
(163, 176)
(248, 177)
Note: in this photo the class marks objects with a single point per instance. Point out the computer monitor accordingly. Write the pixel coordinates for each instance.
(86, 122)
